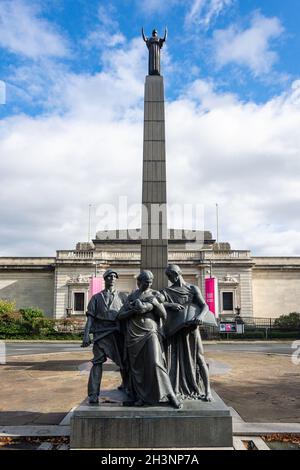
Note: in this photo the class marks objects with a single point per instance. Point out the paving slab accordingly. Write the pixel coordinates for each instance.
(51, 386)
(261, 388)
(27, 431)
(258, 429)
(45, 446)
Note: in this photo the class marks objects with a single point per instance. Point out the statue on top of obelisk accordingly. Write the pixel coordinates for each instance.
(154, 44)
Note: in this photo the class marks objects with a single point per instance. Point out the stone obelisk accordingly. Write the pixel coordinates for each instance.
(154, 239)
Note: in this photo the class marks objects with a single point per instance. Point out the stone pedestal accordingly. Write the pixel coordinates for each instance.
(154, 243)
(198, 424)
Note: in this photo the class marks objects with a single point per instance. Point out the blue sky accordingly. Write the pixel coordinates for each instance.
(191, 46)
(74, 72)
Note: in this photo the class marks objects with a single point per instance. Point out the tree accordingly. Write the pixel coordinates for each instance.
(290, 321)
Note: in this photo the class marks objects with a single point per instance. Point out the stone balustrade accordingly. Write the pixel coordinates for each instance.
(184, 255)
(74, 254)
(231, 254)
(178, 256)
(124, 255)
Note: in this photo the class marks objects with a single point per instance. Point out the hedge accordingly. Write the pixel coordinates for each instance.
(290, 321)
(31, 323)
(24, 323)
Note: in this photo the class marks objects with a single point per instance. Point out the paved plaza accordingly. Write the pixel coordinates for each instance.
(258, 380)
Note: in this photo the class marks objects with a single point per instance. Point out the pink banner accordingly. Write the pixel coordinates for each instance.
(96, 285)
(211, 295)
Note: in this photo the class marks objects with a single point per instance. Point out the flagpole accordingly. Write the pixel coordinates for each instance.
(217, 221)
(89, 228)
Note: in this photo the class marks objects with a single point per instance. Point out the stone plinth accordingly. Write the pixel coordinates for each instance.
(197, 424)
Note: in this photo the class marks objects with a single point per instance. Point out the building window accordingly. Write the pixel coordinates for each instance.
(78, 301)
(227, 301)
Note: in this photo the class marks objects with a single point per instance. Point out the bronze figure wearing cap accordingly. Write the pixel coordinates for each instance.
(110, 271)
(108, 341)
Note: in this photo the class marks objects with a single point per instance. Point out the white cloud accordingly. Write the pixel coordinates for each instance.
(107, 32)
(242, 155)
(53, 166)
(203, 12)
(29, 81)
(23, 31)
(249, 47)
(245, 157)
(109, 94)
(152, 7)
(37, 83)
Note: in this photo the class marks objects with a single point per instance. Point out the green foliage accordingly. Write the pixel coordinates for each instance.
(31, 313)
(7, 307)
(290, 321)
(251, 334)
(12, 316)
(261, 335)
(12, 325)
(28, 322)
(43, 326)
(70, 325)
(284, 334)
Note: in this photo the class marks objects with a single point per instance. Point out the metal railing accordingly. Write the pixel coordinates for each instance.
(254, 327)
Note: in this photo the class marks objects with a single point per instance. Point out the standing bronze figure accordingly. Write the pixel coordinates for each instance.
(154, 44)
(108, 341)
(186, 364)
(143, 311)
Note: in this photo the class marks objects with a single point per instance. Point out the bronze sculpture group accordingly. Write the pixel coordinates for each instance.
(153, 337)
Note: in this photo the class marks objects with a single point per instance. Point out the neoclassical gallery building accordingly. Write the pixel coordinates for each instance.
(260, 286)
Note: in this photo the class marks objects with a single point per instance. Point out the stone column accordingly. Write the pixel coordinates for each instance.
(154, 243)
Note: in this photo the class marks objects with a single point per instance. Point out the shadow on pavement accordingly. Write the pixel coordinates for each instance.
(22, 418)
(59, 365)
